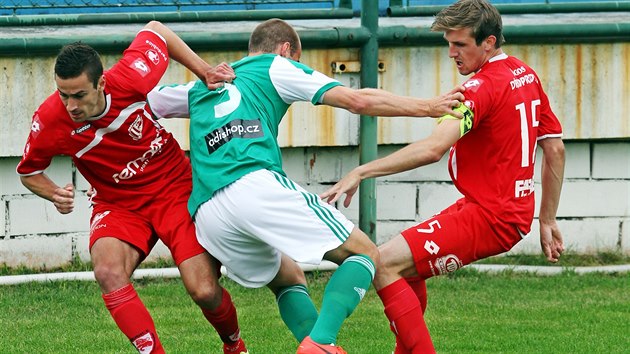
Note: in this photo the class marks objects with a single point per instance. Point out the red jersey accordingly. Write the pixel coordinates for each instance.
(124, 154)
(492, 164)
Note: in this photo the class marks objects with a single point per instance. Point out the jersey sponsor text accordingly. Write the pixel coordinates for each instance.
(237, 128)
(522, 81)
(523, 188)
(141, 162)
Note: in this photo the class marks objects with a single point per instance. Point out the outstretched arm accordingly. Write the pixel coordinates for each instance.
(40, 184)
(376, 102)
(552, 177)
(414, 155)
(214, 77)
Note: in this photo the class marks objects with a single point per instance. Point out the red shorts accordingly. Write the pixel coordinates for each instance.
(166, 218)
(457, 236)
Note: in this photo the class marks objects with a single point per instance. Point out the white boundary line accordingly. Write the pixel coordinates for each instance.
(174, 272)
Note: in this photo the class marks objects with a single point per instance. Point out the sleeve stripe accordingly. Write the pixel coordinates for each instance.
(559, 135)
(318, 95)
(29, 174)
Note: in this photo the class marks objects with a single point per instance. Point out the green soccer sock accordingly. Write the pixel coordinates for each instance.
(344, 291)
(297, 310)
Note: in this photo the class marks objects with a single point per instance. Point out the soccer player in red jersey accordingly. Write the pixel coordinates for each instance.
(491, 162)
(140, 177)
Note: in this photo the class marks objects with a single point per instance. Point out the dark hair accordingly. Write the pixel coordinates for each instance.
(478, 15)
(77, 58)
(269, 34)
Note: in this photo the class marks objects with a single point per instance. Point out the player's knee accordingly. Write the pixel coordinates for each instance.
(372, 251)
(206, 294)
(295, 276)
(360, 243)
(110, 277)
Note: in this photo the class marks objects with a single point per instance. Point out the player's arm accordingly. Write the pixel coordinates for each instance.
(414, 155)
(181, 52)
(552, 175)
(170, 101)
(41, 185)
(375, 102)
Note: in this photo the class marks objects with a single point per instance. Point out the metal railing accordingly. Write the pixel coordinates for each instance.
(44, 7)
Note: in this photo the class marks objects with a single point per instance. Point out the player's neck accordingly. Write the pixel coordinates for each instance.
(491, 54)
(100, 108)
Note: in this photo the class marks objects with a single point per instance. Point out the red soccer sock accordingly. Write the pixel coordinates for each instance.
(404, 312)
(224, 319)
(419, 287)
(133, 319)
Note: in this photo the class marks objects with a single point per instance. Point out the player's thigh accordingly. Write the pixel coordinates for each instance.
(284, 215)
(171, 222)
(200, 275)
(119, 241)
(289, 274)
(396, 258)
(357, 243)
(113, 262)
(109, 221)
(200, 270)
(452, 239)
(247, 260)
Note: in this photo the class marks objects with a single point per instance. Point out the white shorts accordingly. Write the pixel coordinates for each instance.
(251, 222)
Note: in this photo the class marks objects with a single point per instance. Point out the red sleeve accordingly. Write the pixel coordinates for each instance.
(39, 149)
(143, 63)
(477, 95)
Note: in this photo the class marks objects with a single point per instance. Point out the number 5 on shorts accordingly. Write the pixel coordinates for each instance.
(431, 246)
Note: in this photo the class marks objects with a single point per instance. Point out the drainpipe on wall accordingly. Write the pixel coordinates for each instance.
(368, 138)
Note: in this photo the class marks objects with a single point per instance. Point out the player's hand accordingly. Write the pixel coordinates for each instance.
(219, 75)
(63, 199)
(551, 240)
(444, 104)
(347, 185)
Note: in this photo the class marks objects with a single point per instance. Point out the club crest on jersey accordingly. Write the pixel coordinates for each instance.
(153, 56)
(156, 50)
(135, 129)
(141, 67)
(144, 343)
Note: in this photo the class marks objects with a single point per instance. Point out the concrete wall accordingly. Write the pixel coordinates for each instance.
(594, 212)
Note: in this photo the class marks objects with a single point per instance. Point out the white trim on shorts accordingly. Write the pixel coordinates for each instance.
(251, 222)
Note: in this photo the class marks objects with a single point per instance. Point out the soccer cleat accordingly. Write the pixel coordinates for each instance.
(236, 348)
(308, 346)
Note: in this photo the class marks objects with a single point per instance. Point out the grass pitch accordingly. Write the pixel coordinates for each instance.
(468, 312)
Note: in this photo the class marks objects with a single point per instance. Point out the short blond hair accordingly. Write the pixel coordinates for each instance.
(479, 15)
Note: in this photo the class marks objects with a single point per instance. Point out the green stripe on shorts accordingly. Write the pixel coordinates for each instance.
(312, 200)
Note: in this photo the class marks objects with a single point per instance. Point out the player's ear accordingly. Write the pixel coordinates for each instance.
(285, 50)
(101, 83)
(489, 42)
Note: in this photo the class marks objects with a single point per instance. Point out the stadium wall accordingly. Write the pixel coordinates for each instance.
(588, 85)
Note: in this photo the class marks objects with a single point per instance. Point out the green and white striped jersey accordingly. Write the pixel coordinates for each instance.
(234, 129)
